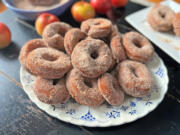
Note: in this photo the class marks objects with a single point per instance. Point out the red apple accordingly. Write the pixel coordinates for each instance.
(119, 3)
(43, 20)
(5, 36)
(101, 6)
(82, 10)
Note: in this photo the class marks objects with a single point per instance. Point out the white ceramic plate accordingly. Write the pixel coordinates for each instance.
(143, 2)
(105, 115)
(168, 42)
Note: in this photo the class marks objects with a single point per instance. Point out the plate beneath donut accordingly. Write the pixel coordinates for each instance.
(105, 115)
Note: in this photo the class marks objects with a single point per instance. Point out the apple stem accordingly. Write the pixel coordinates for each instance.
(25, 24)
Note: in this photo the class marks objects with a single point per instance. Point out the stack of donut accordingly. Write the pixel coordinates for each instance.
(162, 18)
(91, 64)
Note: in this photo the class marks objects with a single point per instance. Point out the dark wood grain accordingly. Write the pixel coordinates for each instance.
(18, 115)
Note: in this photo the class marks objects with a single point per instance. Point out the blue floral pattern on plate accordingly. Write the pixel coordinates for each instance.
(105, 115)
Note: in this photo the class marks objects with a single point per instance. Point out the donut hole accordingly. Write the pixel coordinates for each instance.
(88, 83)
(162, 14)
(55, 81)
(137, 43)
(49, 57)
(94, 55)
(133, 70)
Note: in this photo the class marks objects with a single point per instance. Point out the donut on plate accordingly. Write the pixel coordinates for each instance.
(114, 31)
(176, 24)
(110, 89)
(27, 48)
(160, 18)
(137, 47)
(71, 38)
(117, 48)
(51, 91)
(92, 57)
(48, 63)
(135, 78)
(84, 90)
(54, 34)
(96, 28)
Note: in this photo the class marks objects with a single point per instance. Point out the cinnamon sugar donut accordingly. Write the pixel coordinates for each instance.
(160, 18)
(51, 91)
(114, 31)
(117, 48)
(27, 48)
(54, 33)
(110, 89)
(135, 78)
(176, 24)
(84, 90)
(71, 38)
(112, 64)
(137, 47)
(48, 63)
(96, 28)
(92, 57)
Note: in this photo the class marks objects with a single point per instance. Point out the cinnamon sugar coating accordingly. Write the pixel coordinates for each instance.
(84, 90)
(50, 91)
(117, 48)
(110, 89)
(92, 57)
(27, 48)
(176, 24)
(137, 47)
(96, 28)
(54, 34)
(71, 38)
(160, 18)
(48, 63)
(135, 78)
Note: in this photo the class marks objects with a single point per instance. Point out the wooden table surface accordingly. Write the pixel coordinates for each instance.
(19, 116)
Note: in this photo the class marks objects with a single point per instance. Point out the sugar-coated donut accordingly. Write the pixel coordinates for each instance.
(137, 47)
(27, 48)
(92, 57)
(48, 63)
(135, 78)
(113, 64)
(96, 28)
(84, 90)
(71, 38)
(51, 91)
(110, 89)
(54, 34)
(160, 18)
(117, 48)
(176, 24)
(114, 31)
